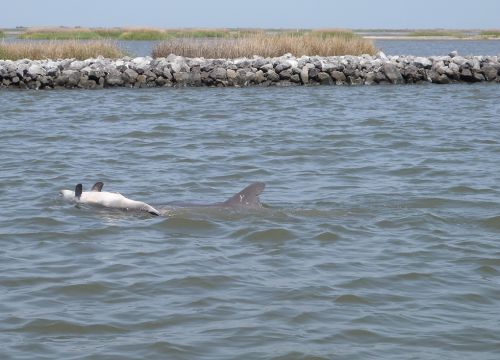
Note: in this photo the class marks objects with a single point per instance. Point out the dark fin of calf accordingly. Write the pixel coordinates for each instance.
(154, 213)
(98, 186)
(78, 191)
(248, 197)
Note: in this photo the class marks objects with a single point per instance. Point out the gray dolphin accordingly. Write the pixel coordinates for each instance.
(247, 198)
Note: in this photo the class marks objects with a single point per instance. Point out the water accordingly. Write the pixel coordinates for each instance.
(379, 239)
(438, 47)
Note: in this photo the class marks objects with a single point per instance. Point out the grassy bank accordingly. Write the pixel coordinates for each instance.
(63, 33)
(267, 45)
(494, 33)
(59, 50)
(437, 33)
(2, 34)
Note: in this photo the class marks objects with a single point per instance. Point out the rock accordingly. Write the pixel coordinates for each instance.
(219, 73)
(313, 73)
(231, 74)
(272, 76)
(295, 78)
(453, 53)
(36, 69)
(324, 78)
(113, 78)
(466, 75)
(339, 77)
(380, 55)
(392, 73)
(370, 78)
(259, 77)
(458, 60)
(282, 66)
(422, 62)
(286, 74)
(77, 65)
(304, 74)
(490, 72)
(130, 75)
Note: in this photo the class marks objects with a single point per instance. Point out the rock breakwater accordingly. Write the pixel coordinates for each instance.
(287, 70)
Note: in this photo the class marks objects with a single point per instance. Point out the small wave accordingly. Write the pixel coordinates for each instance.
(492, 222)
(276, 234)
(351, 299)
(64, 327)
(487, 270)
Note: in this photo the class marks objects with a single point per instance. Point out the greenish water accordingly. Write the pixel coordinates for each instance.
(379, 237)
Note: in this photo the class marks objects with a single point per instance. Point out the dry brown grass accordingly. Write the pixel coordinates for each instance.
(267, 45)
(59, 50)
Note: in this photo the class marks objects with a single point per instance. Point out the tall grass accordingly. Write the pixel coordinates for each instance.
(267, 45)
(2, 34)
(437, 32)
(59, 50)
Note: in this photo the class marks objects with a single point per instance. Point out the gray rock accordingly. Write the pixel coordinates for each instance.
(286, 74)
(219, 73)
(324, 78)
(422, 62)
(114, 78)
(458, 60)
(490, 72)
(392, 73)
(339, 76)
(304, 74)
(130, 75)
(272, 76)
(36, 69)
(77, 65)
(259, 77)
(453, 53)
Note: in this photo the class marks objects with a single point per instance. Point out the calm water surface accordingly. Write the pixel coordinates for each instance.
(380, 236)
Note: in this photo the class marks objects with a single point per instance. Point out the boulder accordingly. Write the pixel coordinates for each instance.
(219, 73)
(324, 78)
(272, 76)
(339, 76)
(422, 62)
(392, 73)
(490, 72)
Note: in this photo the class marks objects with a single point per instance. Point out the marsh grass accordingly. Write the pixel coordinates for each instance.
(63, 33)
(64, 49)
(267, 45)
(2, 34)
(490, 33)
(437, 32)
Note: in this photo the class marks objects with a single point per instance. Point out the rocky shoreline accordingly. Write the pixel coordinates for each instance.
(287, 70)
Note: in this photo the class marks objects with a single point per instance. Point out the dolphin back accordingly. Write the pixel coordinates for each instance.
(248, 197)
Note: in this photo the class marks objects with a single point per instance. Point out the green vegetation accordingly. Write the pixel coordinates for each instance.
(437, 32)
(490, 33)
(59, 50)
(2, 34)
(267, 45)
(63, 33)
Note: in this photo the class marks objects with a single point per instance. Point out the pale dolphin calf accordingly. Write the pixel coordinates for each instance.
(106, 199)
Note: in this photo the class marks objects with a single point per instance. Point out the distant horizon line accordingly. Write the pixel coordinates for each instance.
(249, 27)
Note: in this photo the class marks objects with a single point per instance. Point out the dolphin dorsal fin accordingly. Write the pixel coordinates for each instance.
(78, 191)
(98, 186)
(248, 197)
